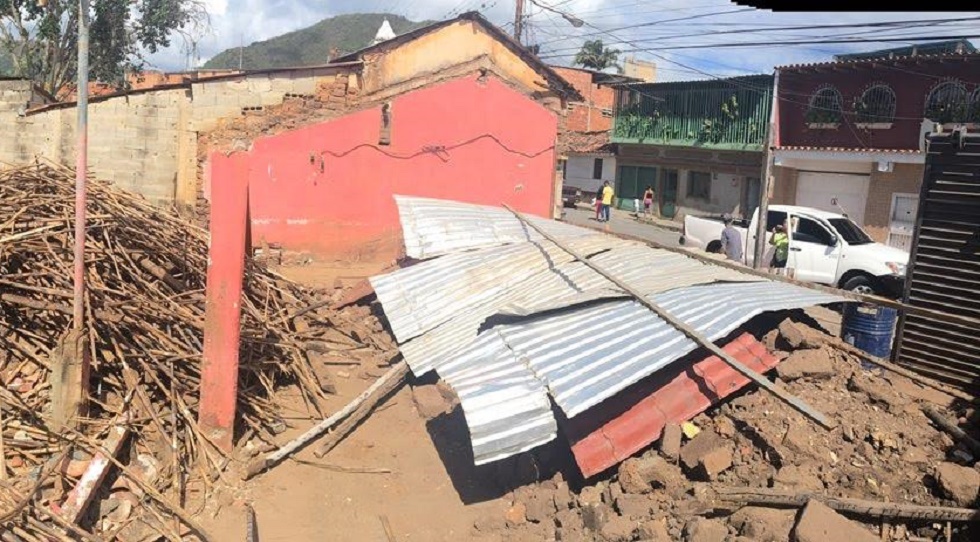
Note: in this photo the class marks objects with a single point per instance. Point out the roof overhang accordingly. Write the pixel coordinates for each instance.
(786, 157)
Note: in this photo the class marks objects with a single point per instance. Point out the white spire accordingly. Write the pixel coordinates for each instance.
(385, 33)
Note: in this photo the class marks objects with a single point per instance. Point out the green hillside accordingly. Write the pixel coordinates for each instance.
(311, 46)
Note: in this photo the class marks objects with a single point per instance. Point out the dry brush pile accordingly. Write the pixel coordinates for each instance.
(145, 274)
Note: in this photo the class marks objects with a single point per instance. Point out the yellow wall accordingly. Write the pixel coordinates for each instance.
(455, 44)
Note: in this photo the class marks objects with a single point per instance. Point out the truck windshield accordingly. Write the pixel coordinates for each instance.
(850, 232)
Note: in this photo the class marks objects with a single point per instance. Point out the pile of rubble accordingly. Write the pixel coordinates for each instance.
(145, 274)
(753, 469)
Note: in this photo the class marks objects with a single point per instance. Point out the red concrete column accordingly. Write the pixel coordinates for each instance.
(226, 268)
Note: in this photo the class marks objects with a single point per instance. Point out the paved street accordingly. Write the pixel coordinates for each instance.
(624, 223)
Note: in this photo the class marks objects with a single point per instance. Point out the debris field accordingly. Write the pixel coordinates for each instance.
(897, 463)
(145, 274)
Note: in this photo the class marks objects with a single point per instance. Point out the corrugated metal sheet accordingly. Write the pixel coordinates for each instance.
(944, 268)
(580, 355)
(433, 227)
(588, 355)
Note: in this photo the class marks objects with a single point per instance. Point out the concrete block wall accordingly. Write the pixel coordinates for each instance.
(144, 142)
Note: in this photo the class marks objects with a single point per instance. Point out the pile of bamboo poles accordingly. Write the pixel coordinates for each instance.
(145, 274)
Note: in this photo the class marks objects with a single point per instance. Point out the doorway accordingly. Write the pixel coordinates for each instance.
(901, 226)
(668, 194)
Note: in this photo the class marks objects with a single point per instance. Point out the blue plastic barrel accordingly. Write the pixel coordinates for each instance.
(869, 327)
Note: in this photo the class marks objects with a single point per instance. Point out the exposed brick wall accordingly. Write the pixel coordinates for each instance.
(904, 178)
(587, 117)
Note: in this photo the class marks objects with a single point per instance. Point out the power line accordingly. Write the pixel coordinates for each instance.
(899, 24)
(640, 25)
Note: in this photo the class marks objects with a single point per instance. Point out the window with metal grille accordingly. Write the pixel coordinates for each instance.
(699, 185)
(875, 106)
(597, 168)
(825, 107)
(974, 115)
(948, 102)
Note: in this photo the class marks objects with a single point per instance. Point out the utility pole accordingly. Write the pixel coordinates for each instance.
(519, 21)
(70, 369)
(767, 174)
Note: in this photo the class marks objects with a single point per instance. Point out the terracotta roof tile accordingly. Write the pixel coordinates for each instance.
(597, 447)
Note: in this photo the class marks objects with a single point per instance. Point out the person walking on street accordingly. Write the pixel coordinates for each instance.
(648, 201)
(731, 240)
(598, 204)
(781, 241)
(607, 199)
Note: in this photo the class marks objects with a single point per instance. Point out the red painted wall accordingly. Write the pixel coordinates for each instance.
(327, 188)
(912, 79)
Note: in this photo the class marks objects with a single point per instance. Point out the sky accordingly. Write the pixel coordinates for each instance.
(653, 32)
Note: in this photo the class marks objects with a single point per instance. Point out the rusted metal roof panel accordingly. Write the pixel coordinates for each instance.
(944, 267)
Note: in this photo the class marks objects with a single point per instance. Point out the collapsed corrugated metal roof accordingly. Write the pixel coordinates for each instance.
(577, 343)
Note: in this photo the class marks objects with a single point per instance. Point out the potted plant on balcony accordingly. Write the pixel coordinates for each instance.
(873, 115)
(818, 118)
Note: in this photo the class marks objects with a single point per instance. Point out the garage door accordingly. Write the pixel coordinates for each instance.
(834, 192)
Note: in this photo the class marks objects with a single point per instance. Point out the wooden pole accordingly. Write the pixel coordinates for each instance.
(394, 375)
(692, 333)
(759, 250)
(950, 427)
(758, 496)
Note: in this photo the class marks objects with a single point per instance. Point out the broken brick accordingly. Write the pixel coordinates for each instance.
(670, 442)
(818, 523)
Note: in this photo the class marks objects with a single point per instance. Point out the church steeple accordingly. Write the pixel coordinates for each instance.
(385, 33)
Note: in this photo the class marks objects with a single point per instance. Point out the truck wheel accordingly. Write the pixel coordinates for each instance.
(714, 247)
(681, 240)
(860, 284)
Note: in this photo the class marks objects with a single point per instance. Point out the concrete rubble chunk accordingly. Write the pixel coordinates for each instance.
(705, 530)
(818, 523)
(634, 506)
(516, 515)
(815, 364)
(763, 524)
(430, 402)
(670, 442)
(654, 531)
(958, 483)
(792, 334)
(715, 462)
(589, 495)
(618, 529)
(539, 505)
(700, 446)
(640, 475)
(595, 516)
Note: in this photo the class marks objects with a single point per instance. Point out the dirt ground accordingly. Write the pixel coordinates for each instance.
(300, 502)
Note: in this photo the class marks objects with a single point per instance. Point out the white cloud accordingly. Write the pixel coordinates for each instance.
(235, 21)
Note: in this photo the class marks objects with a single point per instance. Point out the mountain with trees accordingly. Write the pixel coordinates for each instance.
(311, 46)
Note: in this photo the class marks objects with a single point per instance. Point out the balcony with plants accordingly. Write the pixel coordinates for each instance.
(728, 114)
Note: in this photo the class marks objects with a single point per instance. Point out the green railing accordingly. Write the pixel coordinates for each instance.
(722, 114)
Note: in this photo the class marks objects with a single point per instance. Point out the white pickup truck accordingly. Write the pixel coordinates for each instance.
(825, 248)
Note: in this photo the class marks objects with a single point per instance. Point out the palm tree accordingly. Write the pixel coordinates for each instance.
(596, 56)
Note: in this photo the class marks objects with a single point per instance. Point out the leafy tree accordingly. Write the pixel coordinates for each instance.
(594, 55)
(40, 36)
